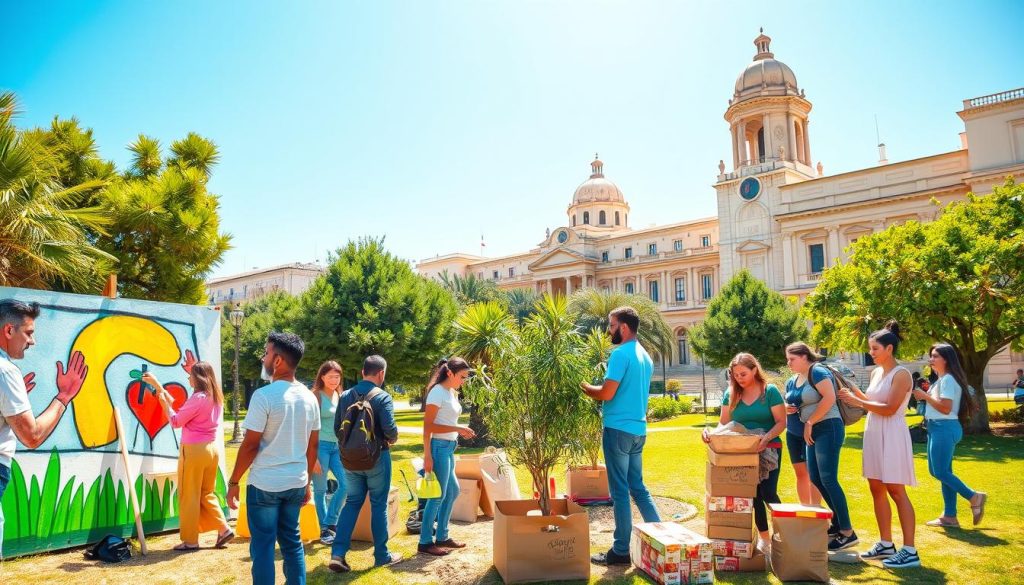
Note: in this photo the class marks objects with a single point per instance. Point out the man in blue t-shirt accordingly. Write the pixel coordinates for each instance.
(625, 391)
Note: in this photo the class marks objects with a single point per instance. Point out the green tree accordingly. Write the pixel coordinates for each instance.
(276, 311)
(44, 225)
(747, 316)
(959, 279)
(520, 302)
(370, 302)
(591, 307)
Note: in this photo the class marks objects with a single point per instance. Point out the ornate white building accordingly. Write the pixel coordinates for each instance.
(779, 216)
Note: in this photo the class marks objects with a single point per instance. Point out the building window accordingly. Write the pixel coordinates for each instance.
(494, 275)
(616, 218)
(680, 290)
(629, 253)
(602, 218)
(586, 218)
(677, 245)
(817, 252)
(511, 272)
(604, 257)
(573, 221)
(705, 241)
(652, 290)
(705, 283)
(684, 350)
(652, 249)
(629, 288)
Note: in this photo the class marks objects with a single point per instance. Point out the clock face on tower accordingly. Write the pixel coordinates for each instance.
(750, 188)
(562, 236)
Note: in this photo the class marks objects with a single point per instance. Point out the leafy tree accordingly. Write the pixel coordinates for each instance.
(591, 307)
(276, 311)
(469, 289)
(479, 332)
(43, 223)
(371, 302)
(959, 279)
(747, 316)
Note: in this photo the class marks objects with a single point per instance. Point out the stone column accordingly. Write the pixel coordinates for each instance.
(787, 260)
(744, 151)
(691, 294)
(665, 298)
(617, 285)
(807, 144)
(735, 146)
(766, 122)
(833, 246)
(791, 133)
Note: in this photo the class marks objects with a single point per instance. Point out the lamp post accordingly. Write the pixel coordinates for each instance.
(236, 317)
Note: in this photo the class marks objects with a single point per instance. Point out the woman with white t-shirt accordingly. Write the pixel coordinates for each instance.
(441, 431)
(949, 406)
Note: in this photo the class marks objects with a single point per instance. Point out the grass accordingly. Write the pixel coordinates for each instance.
(674, 467)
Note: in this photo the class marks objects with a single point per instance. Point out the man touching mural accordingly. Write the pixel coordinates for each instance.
(17, 423)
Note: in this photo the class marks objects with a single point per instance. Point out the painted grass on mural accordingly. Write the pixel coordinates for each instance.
(49, 517)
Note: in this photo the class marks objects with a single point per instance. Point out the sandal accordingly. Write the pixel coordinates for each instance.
(943, 523)
(224, 539)
(979, 510)
(182, 547)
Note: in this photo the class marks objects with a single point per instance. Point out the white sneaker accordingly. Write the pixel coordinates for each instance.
(879, 551)
(902, 560)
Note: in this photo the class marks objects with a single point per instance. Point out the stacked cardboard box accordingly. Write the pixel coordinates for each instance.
(496, 477)
(731, 483)
(672, 554)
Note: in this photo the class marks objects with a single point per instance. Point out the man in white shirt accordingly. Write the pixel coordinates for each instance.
(17, 328)
(279, 451)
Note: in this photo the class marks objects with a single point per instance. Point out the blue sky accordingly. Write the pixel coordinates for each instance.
(431, 122)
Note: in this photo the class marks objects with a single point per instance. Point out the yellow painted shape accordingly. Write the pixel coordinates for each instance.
(102, 342)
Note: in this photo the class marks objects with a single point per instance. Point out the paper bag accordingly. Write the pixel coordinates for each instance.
(587, 483)
(800, 542)
(466, 505)
(497, 474)
(541, 548)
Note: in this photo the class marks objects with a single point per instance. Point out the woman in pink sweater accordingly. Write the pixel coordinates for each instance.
(199, 420)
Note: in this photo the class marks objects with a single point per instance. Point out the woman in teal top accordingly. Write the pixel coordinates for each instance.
(325, 387)
(759, 406)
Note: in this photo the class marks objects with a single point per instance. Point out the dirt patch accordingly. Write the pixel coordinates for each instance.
(1007, 429)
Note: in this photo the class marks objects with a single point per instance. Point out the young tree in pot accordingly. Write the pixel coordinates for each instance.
(585, 448)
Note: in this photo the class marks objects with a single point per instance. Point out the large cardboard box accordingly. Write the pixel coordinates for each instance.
(800, 542)
(754, 564)
(362, 530)
(734, 519)
(309, 524)
(728, 503)
(530, 547)
(731, 481)
(733, 459)
(496, 473)
(734, 443)
(587, 483)
(671, 554)
(467, 504)
(730, 532)
(725, 547)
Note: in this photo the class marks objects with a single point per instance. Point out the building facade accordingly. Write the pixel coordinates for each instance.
(291, 278)
(779, 215)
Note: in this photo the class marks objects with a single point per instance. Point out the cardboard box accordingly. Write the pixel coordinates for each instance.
(496, 473)
(734, 459)
(724, 547)
(467, 504)
(734, 519)
(309, 524)
(731, 481)
(671, 554)
(728, 504)
(362, 530)
(587, 482)
(734, 443)
(754, 564)
(530, 547)
(730, 532)
(800, 542)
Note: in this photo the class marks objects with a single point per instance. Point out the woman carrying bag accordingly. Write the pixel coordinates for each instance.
(441, 431)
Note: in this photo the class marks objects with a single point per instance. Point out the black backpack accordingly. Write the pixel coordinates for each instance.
(112, 549)
(357, 436)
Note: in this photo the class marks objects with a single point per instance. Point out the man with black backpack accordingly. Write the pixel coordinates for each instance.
(366, 429)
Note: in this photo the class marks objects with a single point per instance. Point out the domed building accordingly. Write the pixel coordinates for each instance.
(598, 204)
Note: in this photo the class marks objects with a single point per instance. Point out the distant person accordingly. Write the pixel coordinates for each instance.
(17, 334)
(625, 394)
(377, 479)
(888, 456)
(279, 451)
(199, 462)
(441, 432)
(1018, 388)
(950, 406)
(326, 389)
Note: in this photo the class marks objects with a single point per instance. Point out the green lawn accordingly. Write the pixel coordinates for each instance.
(674, 463)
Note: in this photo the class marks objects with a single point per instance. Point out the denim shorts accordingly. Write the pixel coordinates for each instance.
(797, 447)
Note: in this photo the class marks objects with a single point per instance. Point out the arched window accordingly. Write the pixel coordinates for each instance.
(684, 348)
(760, 145)
(601, 219)
(616, 218)
(586, 218)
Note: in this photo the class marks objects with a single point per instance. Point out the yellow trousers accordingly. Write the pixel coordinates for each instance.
(198, 508)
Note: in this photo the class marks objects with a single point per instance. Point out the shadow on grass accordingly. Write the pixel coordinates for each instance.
(862, 573)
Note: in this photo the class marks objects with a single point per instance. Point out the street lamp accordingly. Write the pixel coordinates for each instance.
(236, 317)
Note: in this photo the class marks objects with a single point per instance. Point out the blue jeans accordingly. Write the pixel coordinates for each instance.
(330, 460)
(823, 468)
(943, 435)
(376, 481)
(440, 509)
(275, 516)
(5, 477)
(623, 457)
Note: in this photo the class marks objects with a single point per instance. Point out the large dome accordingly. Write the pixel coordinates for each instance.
(597, 188)
(765, 76)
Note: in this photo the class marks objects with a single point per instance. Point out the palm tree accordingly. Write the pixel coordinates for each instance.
(43, 231)
(592, 306)
(520, 302)
(482, 332)
(468, 289)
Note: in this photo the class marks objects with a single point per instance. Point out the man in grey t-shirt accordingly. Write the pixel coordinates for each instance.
(279, 451)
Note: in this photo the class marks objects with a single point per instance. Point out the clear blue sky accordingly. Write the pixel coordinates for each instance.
(429, 122)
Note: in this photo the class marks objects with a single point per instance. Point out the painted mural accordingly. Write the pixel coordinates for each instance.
(72, 489)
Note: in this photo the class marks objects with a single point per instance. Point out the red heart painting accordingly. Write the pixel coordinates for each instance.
(149, 412)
